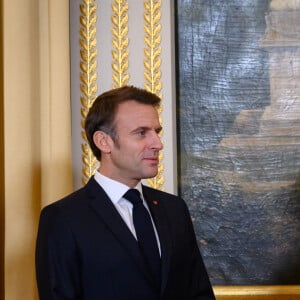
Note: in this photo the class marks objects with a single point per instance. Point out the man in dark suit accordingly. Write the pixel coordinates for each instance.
(98, 243)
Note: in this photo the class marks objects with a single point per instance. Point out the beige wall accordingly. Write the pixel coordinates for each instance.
(36, 139)
(1, 164)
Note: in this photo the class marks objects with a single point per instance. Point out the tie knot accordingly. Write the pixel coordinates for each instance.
(133, 195)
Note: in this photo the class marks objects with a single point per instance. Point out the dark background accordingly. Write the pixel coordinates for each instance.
(247, 237)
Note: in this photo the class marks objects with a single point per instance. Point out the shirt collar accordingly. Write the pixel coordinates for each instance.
(114, 189)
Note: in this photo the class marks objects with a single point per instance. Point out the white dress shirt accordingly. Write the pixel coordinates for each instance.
(115, 191)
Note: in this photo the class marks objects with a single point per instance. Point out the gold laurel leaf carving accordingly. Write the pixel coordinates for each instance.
(125, 79)
(83, 45)
(83, 12)
(114, 31)
(125, 43)
(152, 64)
(93, 12)
(115, 78)
(83, 135)
(120, 43)
(83, 101)
(88, 78)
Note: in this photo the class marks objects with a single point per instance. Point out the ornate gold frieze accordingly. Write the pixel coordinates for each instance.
(88, 77)
(120, 43)
(152, 64)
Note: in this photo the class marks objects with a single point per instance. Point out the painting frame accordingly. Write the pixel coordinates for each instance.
(268, 42)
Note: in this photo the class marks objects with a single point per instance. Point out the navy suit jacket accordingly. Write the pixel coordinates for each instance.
(85, 251)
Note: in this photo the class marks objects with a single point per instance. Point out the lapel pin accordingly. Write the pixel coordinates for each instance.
(155, 202)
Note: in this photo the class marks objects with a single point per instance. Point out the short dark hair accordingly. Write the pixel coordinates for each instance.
(101, 115)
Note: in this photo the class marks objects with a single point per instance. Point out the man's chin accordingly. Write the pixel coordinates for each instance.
(149, 175)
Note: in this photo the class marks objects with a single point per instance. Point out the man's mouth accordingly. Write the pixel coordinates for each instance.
(152, 158)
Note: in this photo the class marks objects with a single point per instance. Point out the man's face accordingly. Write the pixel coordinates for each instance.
(134, 153)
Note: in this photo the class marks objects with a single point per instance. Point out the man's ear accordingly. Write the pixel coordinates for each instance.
(103, 141)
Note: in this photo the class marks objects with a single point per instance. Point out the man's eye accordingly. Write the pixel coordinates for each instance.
(141, 132)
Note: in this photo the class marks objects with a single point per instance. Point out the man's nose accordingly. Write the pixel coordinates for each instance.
(157, 143)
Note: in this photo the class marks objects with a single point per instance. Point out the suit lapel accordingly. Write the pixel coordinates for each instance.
(105, 209)
(159, 216)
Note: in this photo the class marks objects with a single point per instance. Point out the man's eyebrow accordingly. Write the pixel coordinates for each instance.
(146, 128)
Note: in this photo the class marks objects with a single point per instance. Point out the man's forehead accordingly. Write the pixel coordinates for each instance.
(136, 109)
(138, 116)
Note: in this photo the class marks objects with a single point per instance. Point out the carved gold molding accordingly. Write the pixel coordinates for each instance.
(274, 292)
(152, 64)
(120, 43)
(88, 77)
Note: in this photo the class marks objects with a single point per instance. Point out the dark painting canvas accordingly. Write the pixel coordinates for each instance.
(239, 136)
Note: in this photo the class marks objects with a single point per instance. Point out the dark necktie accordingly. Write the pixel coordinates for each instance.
(145, 233)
